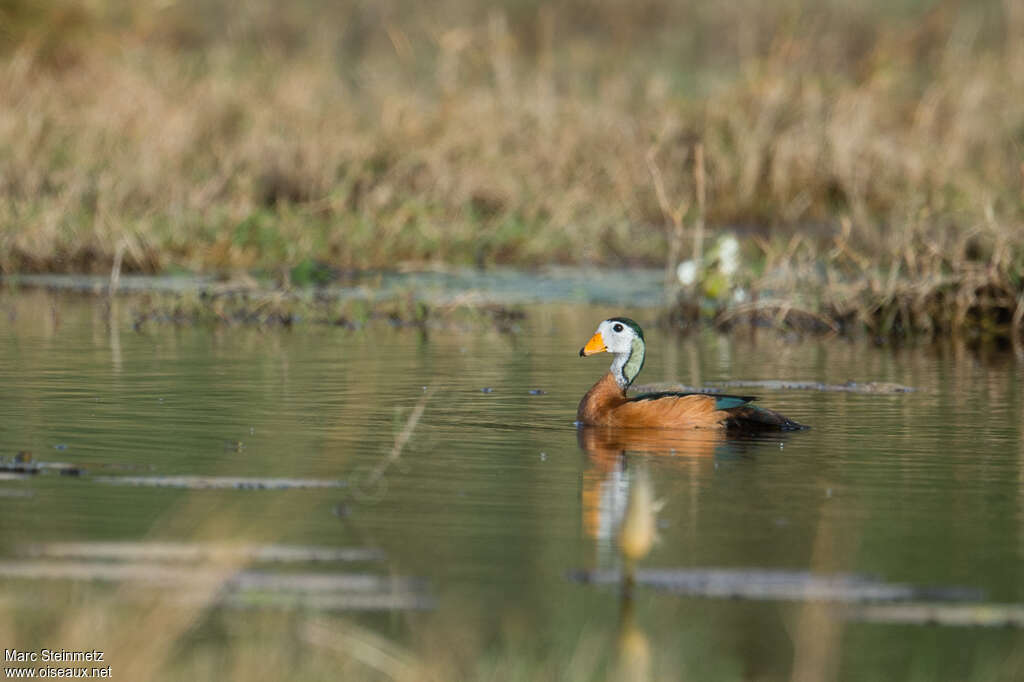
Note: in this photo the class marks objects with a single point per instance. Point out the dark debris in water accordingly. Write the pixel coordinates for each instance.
(23, 463)
(877, 387)
(222, 482)
(201, 551)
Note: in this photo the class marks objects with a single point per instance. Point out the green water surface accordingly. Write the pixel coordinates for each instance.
(491, 500)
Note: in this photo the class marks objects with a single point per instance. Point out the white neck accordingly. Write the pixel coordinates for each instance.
(617, 370)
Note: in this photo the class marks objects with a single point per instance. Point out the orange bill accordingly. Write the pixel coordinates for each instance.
(595, 345)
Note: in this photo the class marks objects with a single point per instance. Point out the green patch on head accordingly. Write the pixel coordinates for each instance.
(629, 323)
(635, 362)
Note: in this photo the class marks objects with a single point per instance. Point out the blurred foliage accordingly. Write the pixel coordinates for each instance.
(210, 135)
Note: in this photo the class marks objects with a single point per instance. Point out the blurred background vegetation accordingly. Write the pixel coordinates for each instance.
(873, 141)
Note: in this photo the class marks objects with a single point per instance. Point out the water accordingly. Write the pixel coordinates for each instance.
(508, 286)
(484, 498)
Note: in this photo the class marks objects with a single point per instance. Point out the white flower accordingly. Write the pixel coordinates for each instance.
(687, 273)
(728, 255)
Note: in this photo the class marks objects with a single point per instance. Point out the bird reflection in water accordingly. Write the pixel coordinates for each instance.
(620, 512)
(637, 534)
(633, 649)
(606, 479)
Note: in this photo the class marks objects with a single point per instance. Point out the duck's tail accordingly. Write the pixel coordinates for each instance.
(753, 418)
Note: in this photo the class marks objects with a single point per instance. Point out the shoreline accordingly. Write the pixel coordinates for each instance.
(413, 297)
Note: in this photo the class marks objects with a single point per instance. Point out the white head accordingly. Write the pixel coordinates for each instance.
(623, 338)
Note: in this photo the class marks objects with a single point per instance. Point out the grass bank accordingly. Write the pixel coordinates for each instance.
(870, 156)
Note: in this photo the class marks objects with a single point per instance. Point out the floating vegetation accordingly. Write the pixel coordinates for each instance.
(725, 583)
(879, 387)
(248, 588)
(192, 552)
(198, 301)
(971, 615)
(23, 464)
(870, 387)
(221, 482)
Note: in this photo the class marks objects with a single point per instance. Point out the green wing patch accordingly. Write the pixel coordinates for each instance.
(727, 402)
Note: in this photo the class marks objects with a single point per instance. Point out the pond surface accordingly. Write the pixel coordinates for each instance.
(501, 285)
(449, 454)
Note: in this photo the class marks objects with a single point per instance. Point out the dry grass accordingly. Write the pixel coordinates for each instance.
(970, 284)
(366, 134)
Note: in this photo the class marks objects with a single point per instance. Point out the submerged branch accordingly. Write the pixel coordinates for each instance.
(872, 387)
(778, 585)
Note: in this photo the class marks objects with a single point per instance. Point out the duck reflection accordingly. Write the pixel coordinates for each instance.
(636, 535)
(620, 510)
(633, 648)
(606, 479)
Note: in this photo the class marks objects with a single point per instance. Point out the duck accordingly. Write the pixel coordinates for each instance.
(606, 403)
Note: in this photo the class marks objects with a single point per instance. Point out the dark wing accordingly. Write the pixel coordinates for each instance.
(753, 418)
(722, 402)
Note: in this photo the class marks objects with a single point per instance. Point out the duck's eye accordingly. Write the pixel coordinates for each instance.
(617, 327)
